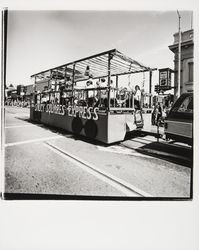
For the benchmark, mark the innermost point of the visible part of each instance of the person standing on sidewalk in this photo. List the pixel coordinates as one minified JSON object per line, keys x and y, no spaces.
{"x":159,"y":114}
{"x":137,"y":97}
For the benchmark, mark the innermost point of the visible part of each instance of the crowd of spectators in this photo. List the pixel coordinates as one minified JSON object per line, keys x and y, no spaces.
{"x":17,"y":103}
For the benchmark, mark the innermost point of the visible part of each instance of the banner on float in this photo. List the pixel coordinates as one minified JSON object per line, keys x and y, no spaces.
{"x":76,"y":111}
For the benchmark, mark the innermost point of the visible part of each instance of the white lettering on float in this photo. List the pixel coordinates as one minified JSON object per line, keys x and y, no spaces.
{"x":83,"y":112}
{"x":77,"y":111}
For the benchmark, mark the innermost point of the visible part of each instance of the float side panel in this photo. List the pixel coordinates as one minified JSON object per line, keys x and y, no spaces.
{"x":92,"y":129}
{"x":119,"y":125}
{"x":116,"y":127}
{"x":56,"y":120}
{"x":102,"y":128}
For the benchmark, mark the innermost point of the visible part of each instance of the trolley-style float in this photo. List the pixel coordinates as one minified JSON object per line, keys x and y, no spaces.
{"x":86,"y":98}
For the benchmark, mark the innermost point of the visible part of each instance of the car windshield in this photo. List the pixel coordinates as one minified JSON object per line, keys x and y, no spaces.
{"x":186,"y":106}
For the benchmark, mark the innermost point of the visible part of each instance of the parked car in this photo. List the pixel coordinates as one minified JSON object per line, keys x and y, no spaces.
{"x":179,"y":122}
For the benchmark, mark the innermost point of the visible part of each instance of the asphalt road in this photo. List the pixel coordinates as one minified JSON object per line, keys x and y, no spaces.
{"x":43,"y":160}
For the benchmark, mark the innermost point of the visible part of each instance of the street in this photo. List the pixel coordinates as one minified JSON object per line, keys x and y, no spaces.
{"x":45,"y":160}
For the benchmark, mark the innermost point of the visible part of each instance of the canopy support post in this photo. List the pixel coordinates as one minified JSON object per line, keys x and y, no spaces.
{"x":117,"y":81}
{"x":49,"y":81}
{"x":150,"y":86}
{"x":73,"y":83}
{"x":109,"y":79}
{"x":65,"y":74}
{"x":34,"y":92}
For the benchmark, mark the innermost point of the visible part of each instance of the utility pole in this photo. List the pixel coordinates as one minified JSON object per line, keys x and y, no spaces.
{"x":191,"y":20}
{"x":179,"y":55}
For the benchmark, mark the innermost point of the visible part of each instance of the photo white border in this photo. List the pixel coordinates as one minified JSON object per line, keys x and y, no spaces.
{"x":150,"y":225}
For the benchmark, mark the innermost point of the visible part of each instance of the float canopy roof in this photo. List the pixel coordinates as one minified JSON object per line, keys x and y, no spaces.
{"x":96,"y":66}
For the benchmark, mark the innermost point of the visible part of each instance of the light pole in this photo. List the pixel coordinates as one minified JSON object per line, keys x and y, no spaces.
{"x":179,"y":55}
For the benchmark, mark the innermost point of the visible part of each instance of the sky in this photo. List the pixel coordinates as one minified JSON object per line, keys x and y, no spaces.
{"x":39,"y":40}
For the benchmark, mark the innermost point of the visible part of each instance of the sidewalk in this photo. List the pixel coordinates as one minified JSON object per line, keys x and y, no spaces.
{"x":162,"y":149}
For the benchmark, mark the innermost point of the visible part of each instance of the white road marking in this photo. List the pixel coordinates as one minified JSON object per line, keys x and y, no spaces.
{"x":32,"y":141}
{"x":17,"y":114}
{"x":149,"y":139}
{"x":121,"y":185}
{"x":143,"y":141}
{"x":122,"y":150}
{"x":20,"y":126}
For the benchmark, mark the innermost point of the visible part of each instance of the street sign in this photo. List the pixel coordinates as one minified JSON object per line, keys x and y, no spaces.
{"x":165,"y":77}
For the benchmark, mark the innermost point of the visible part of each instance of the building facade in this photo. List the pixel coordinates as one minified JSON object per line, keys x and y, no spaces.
{"x":29,"y":89}
{"x":187,"y":61}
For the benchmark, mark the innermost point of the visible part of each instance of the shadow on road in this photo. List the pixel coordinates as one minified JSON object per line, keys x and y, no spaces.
{"x":171,"y":153}
{"x":63,"y":132}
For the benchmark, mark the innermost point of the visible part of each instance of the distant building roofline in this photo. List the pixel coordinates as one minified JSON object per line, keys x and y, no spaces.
{"x":186,"y":31}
